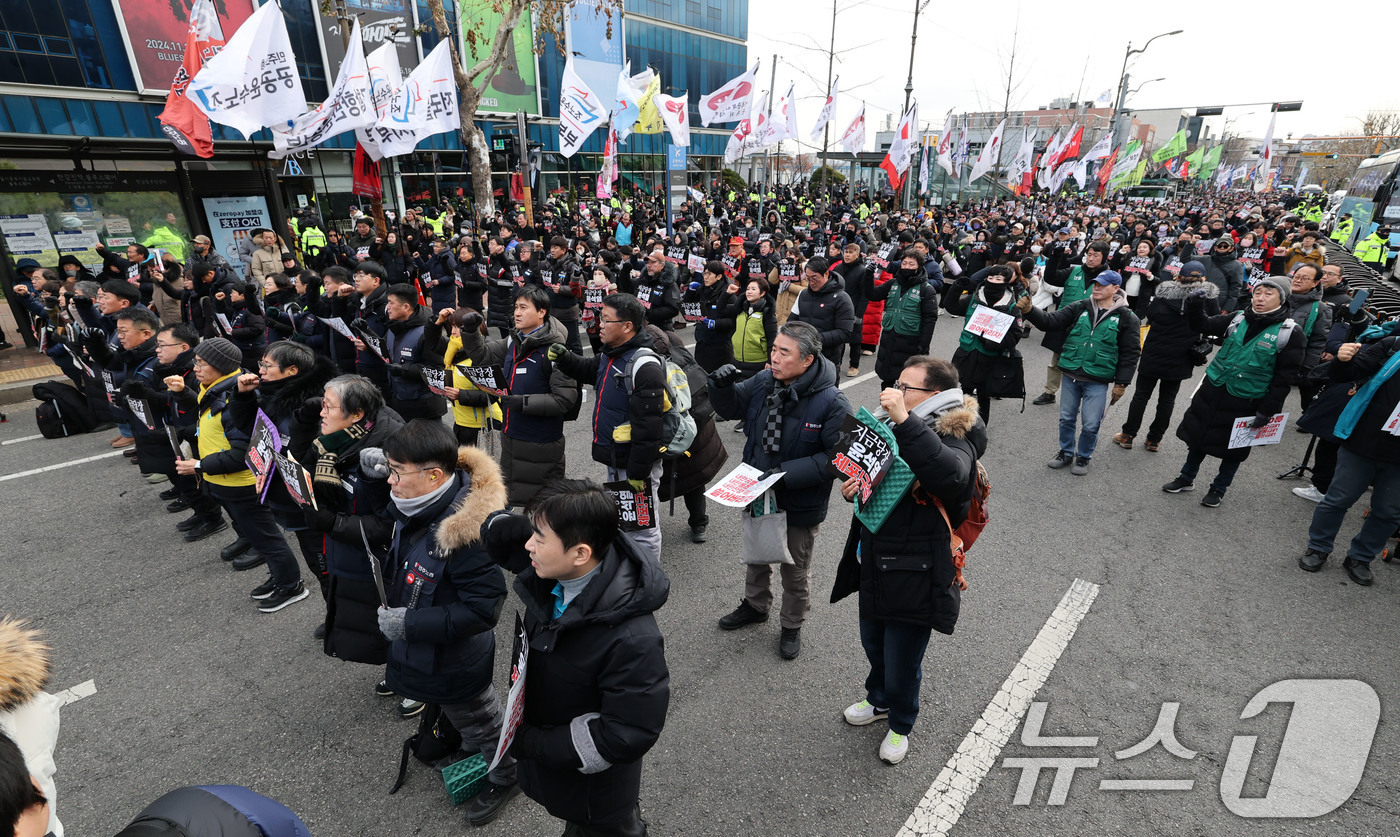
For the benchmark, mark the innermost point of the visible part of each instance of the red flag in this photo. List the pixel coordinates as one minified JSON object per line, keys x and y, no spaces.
{"x":893,"y":173}
{"x":1071,"y":149}
{"x":1106,"y":169}
{"x":367,"y":182}
{"x":185,"y":126}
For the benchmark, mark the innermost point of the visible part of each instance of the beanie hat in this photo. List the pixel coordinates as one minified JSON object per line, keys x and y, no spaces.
{"x":1282,"y":284}
{"x":220,"y":353}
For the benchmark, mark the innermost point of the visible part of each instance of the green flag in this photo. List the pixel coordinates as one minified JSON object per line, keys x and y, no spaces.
{"x":1194,"y":160}
{"x":1136,"y":179}
{"x":1177,"y":145}
{"x":1212,"y":160}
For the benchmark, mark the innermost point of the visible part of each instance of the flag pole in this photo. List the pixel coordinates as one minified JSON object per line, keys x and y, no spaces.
{"x":826,"y":129}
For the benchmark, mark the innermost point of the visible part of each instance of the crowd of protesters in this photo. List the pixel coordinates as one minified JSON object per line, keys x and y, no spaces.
{"x":364,"y":357}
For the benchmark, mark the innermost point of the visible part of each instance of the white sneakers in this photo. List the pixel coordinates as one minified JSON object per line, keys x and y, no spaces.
{"x":1309,"y":492}
{"x":895,"y":746}
{"x":860,"y":714}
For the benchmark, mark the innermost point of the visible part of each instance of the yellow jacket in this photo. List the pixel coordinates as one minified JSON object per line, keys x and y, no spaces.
{"x":466,"y":415}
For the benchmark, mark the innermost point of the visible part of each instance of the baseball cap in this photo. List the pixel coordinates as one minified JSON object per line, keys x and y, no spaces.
{"x":1109,"y":277}
{"x":737,"y":240}
{"x":1193,"y":268}
{"x":202,"y":239}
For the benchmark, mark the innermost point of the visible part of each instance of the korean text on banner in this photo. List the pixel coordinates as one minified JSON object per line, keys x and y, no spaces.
{"x":252,"y":83}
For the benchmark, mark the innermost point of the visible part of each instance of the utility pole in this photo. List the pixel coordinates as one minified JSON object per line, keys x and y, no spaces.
{"x":830,"y":60}
{"x":376,"y":205}
{"x":909,"y":89}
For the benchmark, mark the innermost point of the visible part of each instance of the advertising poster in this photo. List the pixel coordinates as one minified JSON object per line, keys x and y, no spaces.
{"x":515,"y":87}
{"x":156,"y":33}
{"x":80,"y":243}
{"x":597,"y":58}
{"x":231,"y":224}
{"x":381,"y":22}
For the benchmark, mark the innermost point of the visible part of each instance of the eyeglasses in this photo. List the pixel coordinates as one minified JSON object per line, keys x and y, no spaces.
{"x":602,"y":321}
{"x":263,"y":366}
{"x":399,"y":475}
{"x":161,"y":345}
{"x":903,"y":387}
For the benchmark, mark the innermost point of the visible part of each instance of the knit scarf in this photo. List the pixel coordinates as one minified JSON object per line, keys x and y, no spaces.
{"x":778,"y":399}
{"x":328,"y":451}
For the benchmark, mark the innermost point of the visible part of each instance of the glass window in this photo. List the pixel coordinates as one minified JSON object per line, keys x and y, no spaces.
{"x":81,"y":117}
{"x":138,"y":121}
{"x":22,"y":114}
{"x":52,"y":116}
{"x":109,"y":119}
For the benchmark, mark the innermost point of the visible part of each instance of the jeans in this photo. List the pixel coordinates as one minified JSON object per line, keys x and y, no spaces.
{"x":648,"y":539}
{"x":1223,"y":477}
{"x":479,"y":720}
{"x":1166,"y":402}
{"x":254,"y":522}
{"x":1090,"y":399}
{"x":896,"y":654}
{"x":1354,"y":474}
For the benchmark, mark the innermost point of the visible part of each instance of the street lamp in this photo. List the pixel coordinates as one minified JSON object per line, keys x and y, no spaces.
{"x":1144,"y":84}
{"x":1123,"y":78}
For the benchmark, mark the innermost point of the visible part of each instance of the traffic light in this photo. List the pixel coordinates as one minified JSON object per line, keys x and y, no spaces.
{"x":1210,"y":111}
{"x":1331,"y":156}
{"x":1286,"y":107}
{"x":504,"y":152}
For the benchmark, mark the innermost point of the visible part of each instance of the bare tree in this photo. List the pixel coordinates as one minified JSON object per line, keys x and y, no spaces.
{"x":489,"y":51}
{"x":1378,"y":134}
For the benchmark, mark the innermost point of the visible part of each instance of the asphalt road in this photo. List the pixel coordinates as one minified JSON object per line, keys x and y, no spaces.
{"x":1200,"y":607}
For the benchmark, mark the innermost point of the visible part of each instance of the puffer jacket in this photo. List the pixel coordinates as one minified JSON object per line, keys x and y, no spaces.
{"x":1173,"y":330}
{"x":598,"y":688}
{"x":28,"y":714}
{"x":438,"y":568}
{"x":904,"y":572}
{"x":1227,"y":274}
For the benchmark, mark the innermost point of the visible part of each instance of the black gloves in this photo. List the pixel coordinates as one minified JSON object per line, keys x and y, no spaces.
{"x":318,"y":520}
{"x":725,"y":375}
{"x":504,"y":535}
{"x":1261,"y":420}
{"x":512,"y":402}
{"x":471,"y":322}
{"x":135,"y":389}
{"x":309,"y":412}
{"x":529,"y":742}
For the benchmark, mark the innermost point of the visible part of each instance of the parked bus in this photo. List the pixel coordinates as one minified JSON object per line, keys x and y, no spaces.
{"x":1372,"y":197}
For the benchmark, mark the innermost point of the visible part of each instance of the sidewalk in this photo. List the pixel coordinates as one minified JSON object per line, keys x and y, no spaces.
{"x":21,"y":367}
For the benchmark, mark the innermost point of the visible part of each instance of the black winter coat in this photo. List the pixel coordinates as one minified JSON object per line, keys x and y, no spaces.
{"x":811,"y":426}
{"x":905,"y":570}
{"x":830,"y":312}
{"x":1369,"y":439}
{"x":1227,"y":274}
{"x":1210,"y":418}
{"x":597,"y":686}
{"x":1165,"y":352}
{"x":438,"y":568}
{"x":895,"y":349}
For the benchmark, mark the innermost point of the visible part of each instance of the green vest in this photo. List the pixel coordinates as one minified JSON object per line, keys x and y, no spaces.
{"x":970,"y":342}
{"x":904,"y":309}
{"x":750,"y":341}
{"x":1246,"y":371}
{"x":1090,"y":350}
{"x":1075,"y":289}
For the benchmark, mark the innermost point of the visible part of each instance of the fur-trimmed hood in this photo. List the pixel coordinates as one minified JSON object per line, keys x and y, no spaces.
{"x":484,"y":493}
{"x":958,"y":422}
{"x":24,"y":664}
{"x":1176,"y":290}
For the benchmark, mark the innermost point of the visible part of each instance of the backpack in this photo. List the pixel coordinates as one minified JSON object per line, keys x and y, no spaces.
{"x":678,"y":428}
{"x":436,"y":738}
{"x":700,"y":406}
{"x":963,"y":537}
{"x":1284,"y":334}
{"x":62,"y":411}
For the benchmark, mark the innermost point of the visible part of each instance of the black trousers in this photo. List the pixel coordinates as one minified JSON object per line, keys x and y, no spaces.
{"x":1166,"y":402}
{"x":631,"y":826}
{"x":255,"y":523}
{"x":1324,"y":464}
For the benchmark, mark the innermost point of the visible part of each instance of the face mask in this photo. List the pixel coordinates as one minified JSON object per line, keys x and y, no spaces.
{"x":1035,"y":248}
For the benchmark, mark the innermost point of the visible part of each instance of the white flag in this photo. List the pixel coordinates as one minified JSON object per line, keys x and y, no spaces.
{"x":904,"y":147}
{"x":960,"y":151}
{"x":1052,"y":147}
{"x":385,"y":79}
{"x":629,"y":99}
{"x":580,"y":111}
{"x":853,"y":138}
{"x":1081,"y":172}
{"x":1024,"y":156}
{"x":758,"y":126}
{"x":348,"y":107}
{"x":252,"y":83}
{"x":828,"y":108}
{"x":738,"y":141}
{"x":1101,"y":149}
{"x":923,"y":169}
{"x":1058,"y":180}
{"x":424,"y":105}
{"x":675,"y":112}
{"x":1104,"y":98}
{"x":776,"y":127}
{"x":988,"y":158}
{"x":731,"y":102}
{"x":1266,"y":157}
{"x":945,"y":145}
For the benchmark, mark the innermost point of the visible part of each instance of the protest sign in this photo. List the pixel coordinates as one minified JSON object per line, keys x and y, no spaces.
{"x":593,"y":297}
{"x":296,"y":478}
{"x":692,"y":311}
{"x":372,"y":341}
{"x":861,"y":454}
{"x":635,"y":509}
{"x":263,"y":446}
{"x":990,"y":323}
{"x":742,"y":486}
{"x":436,"y":378}
{"x":488,"y":379}
{"x":1243,"y":434}
{"x":141,"y":409}
{"x":515,"y":697}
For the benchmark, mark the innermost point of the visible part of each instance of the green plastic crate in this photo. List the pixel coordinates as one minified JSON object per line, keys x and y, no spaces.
{"x":466,"y":778}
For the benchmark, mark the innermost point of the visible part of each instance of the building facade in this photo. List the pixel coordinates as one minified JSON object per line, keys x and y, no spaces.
{"x":83,"y":158}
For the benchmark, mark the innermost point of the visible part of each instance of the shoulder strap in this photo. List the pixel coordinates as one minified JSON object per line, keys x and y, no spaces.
{"x":1234,"y":323}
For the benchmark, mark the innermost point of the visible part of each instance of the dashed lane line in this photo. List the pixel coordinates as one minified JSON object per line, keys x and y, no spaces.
{"x":960,"y":778}
{"x":60,"y":465}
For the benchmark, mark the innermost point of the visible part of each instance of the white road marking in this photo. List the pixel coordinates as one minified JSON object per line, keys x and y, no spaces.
{"x":853,"y":381}
{"x":48,"y":468}
{"x":22,"y":439}
{"x":960,"y":778}
{"x":72,"y":695}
